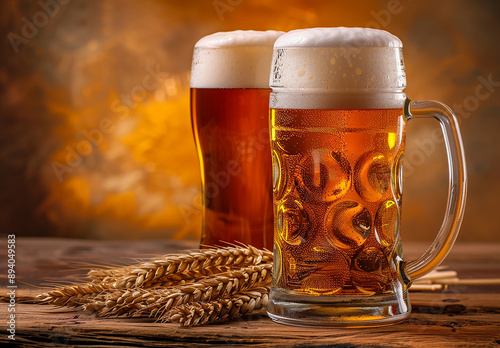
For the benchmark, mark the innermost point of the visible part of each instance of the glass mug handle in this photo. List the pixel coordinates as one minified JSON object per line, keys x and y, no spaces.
{"x":457,"y":188}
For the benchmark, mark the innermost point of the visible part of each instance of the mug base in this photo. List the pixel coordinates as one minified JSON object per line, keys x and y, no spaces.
{"x":343,"y":311}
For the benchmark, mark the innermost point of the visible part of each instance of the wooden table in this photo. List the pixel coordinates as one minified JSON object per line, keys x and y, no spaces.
{"x":462,"y":316}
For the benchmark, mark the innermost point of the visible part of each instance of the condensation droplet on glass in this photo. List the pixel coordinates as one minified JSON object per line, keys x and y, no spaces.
{"x":348,"y":225}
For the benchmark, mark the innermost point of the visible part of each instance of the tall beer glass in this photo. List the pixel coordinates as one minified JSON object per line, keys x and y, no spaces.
{"x":338,"y":118}
{"x":229,"y":112}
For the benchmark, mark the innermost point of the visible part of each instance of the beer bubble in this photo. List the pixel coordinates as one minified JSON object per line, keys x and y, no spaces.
{"x":328,"y":277}
{"x":293,"y":143}
{"x":292,"y":220}
{"x":382,"y":141}
{"x":286,"y":137}
{"x":348,"y":225}
{"x":323,"y":176}
{"x":387,"y":223}
{"x":372,"y":176}
{"x":370,"y":271}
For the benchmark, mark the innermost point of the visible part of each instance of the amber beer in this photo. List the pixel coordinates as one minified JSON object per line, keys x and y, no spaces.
{"x":229,"y":112}
{"x":232,"y":138}
{"x":337,"y":198}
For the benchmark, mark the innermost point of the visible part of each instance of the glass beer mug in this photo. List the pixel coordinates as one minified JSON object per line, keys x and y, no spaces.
{"x":229,"y":113}
{"x":338,"y":118}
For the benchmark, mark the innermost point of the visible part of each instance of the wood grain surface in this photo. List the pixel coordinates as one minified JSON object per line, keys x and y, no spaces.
{"x":461,"y":316}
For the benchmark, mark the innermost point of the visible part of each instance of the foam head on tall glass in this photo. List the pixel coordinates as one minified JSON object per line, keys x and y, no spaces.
{"x":229,"y":113}
{"x":338,"y":117}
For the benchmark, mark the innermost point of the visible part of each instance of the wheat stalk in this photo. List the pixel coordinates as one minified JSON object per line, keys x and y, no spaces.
{"x":224,"y":309}
{"x":72,"y":295}
{"x":225,"y":282}
{"x":201,"y":260}
{"x":167,"y":280}
{"x":169,"y":270}
{"x":109,"y":275}
{"x":152,"y":302}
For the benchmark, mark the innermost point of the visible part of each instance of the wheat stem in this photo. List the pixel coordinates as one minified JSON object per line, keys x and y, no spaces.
{"x":201,"y":260}
{"x":72,"y":295}
{"x":152,"y":302}
{"x":223,"y":309}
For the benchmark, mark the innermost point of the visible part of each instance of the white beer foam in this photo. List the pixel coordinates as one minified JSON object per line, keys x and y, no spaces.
{"x":348,"y":67}
{"x":239,"y":38}
{"x":338,"y":37}
{"x":236,"y":59}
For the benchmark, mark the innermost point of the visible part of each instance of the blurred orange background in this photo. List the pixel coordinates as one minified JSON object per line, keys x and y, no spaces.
{"x":95,"y":133}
